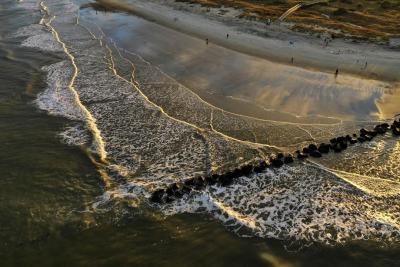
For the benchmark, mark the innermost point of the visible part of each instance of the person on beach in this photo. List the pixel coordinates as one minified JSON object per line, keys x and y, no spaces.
{"x":227,"y":36}
{"x":326,"y":42}
{"x":292,"y":60}
{"x":206,"y":41}
{"x":336,"y":72}
{"x":366,"y":64}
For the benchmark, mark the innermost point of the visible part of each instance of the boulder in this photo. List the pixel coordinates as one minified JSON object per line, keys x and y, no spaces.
{"x":315,"y":154}
{"x":396,"y":131}
{"x":288,"y":159}
{"x":361,"y":139}
{"x":343,"y":145}
{"x":312,"y":147}
{"x":336,"y":148}
{"x":157,"y":196}
{"x":277,"y":163}
{"x":301,"y":155}
{"x":225,"y":179}
{"x":352,"y":141}
{"x":323,"y":148}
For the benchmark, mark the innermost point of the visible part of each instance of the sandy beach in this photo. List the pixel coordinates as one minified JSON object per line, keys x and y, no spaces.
{"x":128,"y":139}
{"x":254,"y":75}
{"x":278,"y":43}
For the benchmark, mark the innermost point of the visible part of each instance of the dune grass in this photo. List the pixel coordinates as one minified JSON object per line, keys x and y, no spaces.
{"x":360,"y":19}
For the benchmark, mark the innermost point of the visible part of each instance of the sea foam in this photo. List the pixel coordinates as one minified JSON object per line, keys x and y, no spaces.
{"x":157,"y":132}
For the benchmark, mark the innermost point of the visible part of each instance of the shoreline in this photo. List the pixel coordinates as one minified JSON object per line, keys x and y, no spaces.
{"x":350,"y":58}
{"x":135,"y":129}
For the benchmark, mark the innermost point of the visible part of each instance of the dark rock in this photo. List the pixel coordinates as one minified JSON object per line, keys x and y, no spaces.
{"x":178,"y":193}
{"x":396,"y":131}
{"x":277,"y":163}
{"x":288,"y":159}
{"x":353,"y":141}
{"x":341,"y":139}
{"x":232,"y":175}
{"x":333,"y":141}
{"x":247,"y":169}
{"x":361,"y":139}
{"x":169,"y":191}
{"x":236,"y":173}
{"x":215,"y":176}
{"x":380,"y":130}
{"x":280,"y":156}
{"x":157,"y":196}
{"x":306,"y":150}
{"x":199,"y":182}
{"x":263,"y":165}
{"x":257,"y":169}
{"x":363,"y":131}
{"x":168,"y":199}
{"x":225,"y":180}
{"x":175,"y":190}
{"x":336,"y":148}
{"x":323,"y":148}
{"x":343,"y":145}
{"x":189,"y":182}
{"x":315,"y":154}
{"x":312,"y":147}
{"x":385,"y":125}
{"x":301,"y":155}
{"x":366,"y":137}
{"x":186,"y":189}
{"x":212,"y":179}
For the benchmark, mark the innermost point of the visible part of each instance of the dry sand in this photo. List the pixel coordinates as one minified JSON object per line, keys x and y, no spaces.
{"x":308,"y":51}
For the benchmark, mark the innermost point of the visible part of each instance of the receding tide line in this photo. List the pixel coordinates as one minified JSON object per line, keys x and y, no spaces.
{"x":91,"y":121}
{"x":363,"y":183}
{"x":112,"y":67}
{"x":372,"y":185}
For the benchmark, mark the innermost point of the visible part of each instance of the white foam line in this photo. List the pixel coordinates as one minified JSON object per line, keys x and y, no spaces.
{"x":359,"y":186}
{"x":229,"y":112}
{"x":250,"y":223}
{"x":91,"y":121}
{"x":235,"y":139}
{"x":175,"y":119}
{"x":308,"y":132}
{"x":136,"y":86}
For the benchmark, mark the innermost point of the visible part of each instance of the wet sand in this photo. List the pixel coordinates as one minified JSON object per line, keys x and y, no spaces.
{"x":308,"y":51}
{"x":246,"y":84}
{"x":154,"y":131}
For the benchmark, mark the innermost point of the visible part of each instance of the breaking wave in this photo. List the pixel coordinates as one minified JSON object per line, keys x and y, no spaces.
{"x":154,"y":132}
{"x":298,"y":203}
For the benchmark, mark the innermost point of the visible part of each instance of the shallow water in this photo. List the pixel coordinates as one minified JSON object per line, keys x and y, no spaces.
{"x":76,"y":177}
{"x":242,"y":83}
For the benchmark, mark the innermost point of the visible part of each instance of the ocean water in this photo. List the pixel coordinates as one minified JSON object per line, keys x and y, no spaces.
{"x":92,"y":124}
